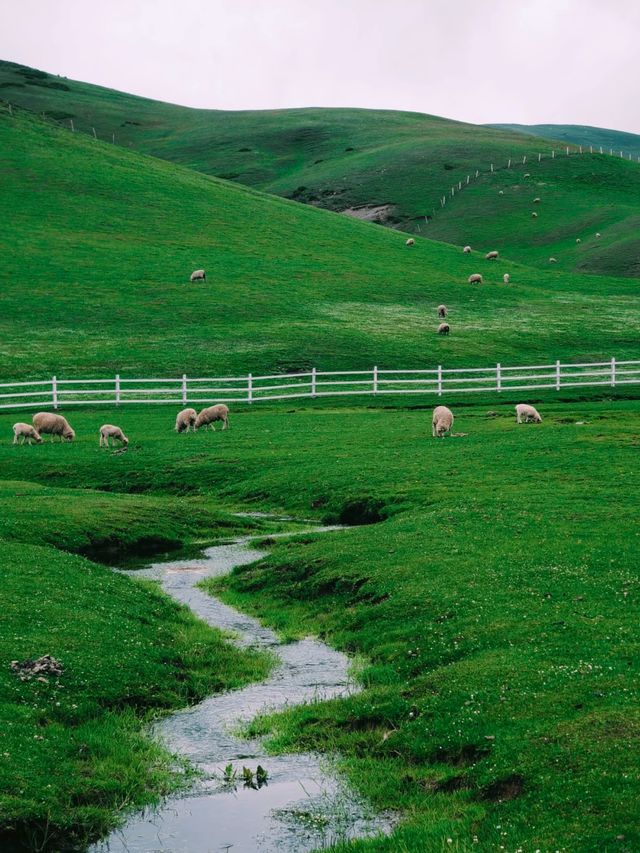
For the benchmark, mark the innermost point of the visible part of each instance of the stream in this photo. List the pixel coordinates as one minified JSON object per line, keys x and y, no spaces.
{"x":305,"y":805}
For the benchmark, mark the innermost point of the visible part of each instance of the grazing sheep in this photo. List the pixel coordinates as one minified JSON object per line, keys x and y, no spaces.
{"x":491,"y":256}
{"x":27,"y":433}
{"x":536,"y":201}
{"x":553,"y":261}
{"x":48,"y":423}
{"x":578,"y":240}
{"x":198,"y":275}
{"x":597,"y":233}
{"x":410,"y":242}
{"x":534,"y":215}
{"x":475,"y":278}
{"x":441,"y":422}
{"x":442,"y":311}
{"x":109,"y":431}
{"x":527,"y":413}
{"x":527,"y":175}
{"x":467,"y":250}
{"x":506,"y":278}
{"x":501,"y":192}
{"x":443,"y":329}
{"x":207,"y":417}
{"x":186,"y":420}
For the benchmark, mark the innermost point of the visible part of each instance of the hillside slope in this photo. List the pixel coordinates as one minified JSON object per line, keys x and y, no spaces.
{"x":581,"y":134}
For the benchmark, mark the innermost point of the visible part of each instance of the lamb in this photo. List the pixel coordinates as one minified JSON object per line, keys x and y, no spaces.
{"x":186,"y":420}
{"x":442,"y":311}
{"x":410,"y":242}
{"x":443,"y":329}
{"x":536,"y":201}
{"x":527,"y":413}
{"x":475,"y":278}
{"x":48,"y":423}
{"x":467,"y":250}
{"x":506,"y":278}
{"x":109,"y":431}
{"x":198,"y":275}
{"x":211,"y":414}
{"x":441,"y":422}
{"x":534,"y":215}
{"x":491,"y":256}
{"x":27,"y":433}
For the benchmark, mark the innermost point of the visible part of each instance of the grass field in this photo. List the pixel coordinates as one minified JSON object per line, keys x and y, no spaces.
{"x":495,"y":609}
{"x":347,"y":158}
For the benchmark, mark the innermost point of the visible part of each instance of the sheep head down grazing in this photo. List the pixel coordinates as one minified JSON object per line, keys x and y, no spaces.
{"x":441,"y":422}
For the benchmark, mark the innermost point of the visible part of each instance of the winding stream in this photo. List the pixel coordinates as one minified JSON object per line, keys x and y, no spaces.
{"x":305,"y":805}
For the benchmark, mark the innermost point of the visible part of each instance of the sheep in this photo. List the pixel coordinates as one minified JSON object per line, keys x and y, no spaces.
{"x":491,"y":256}
{"x":410,"y":242}
{"x":443,"y":329}
{"x":475,"y":278}
{"x":442,"y":311}
{"x":198,"y":275}
{"x":27,"y":433}
{"x":597,"y":233}
{"x":186,"y":420}
{"x":467,"y":250}
{"x":536,"y":201}
{"x":534,"y":215}
{"x":441,"y":422}
{"x":46,"y":422}
{"x":109,"y":431}
{"x":213,"y":413}
{"x":501,"y":192}
{"x":578,"y":240}
{"x":506,"y":278}
{"x":528,"y":413}
{"x":527,"y":175}
{"x":553,"y":261}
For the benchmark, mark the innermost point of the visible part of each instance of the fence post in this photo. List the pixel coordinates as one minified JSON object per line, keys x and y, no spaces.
{"x":509,"y":163}
{"x":524,"y":159}
{"x":553,"y":153}
{"x":313,"y":382}
{"x":613,"y":373}
{"x":567,"y":150}
{"x":492,"y":167}
{"x":184,"y":387}
{"x":117,"y":389}
{"x":73,"y":130}
{"x":439,"y":380}
{"x":375,"y":380}
{"x":557,"y":375}
{"x":94,"y":133}
{"x":10,"y":108}
{"x":54,"y":392}
{"x":250,"y":388}
{"x":498,"y":378}
{"x":539,"y":157}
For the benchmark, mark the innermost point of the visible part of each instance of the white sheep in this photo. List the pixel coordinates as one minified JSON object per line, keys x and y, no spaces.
{"x":441,"y":422}
{"x":527,"y":175}
{"x":527,"y":413}
{"x":578,"y":240}
{"x":597,"y":233}
{"x":410,"y":242}
{"x":501,"y":192}
{"x":186,"y":420}
{"x":109,"y":431}
{"x":27,"y":433}
{"x":198,"y":275}
{"x":208,"y":416}
{"x":443,"y":329}
{"x":553,"y":261}
{"x":536,"y":201}
{"x":442,"y":311}
{"x":491,"y":256}
{"x":475,"y":278}
{"x":48,"y":423}
{"x":534,"y":215}
{"x":506,"y":278}
{"x":467,"y":250}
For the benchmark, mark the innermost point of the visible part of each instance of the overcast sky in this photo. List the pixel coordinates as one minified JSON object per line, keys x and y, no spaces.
{"x":529,"y":61}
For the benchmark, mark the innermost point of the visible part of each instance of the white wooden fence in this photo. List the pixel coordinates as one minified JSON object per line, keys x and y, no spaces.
{"x":59,"y":393}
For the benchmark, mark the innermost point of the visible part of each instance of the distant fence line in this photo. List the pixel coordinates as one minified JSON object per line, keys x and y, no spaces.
{"x":117,"y":390}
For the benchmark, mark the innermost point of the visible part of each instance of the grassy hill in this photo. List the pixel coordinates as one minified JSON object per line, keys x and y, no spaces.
{"x":579,"y":134}
{"x":99,"y":243}
{"x":389,"y":167}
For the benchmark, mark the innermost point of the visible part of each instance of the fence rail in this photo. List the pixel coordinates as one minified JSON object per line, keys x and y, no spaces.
{"x":117,"y":390}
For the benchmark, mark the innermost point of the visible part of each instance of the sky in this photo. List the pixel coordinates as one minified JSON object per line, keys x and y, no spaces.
{"x":525,"y":61}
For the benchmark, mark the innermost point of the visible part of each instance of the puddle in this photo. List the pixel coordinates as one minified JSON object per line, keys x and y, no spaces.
{"x":305,"y":805}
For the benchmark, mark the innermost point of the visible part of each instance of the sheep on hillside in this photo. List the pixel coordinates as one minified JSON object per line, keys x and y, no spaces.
{"x":208,"y":416}
{"x":536,"y":201}
{"x":527,"y":175}
{"x":597,"y":233}
{"x":553,"y":261}
{"x":109,"y":431}
{"x":410,"y":242}
{"x":527,"y":414}
{"x":491,"y":256}
{"x":578,"y":240}
{"x":443,"y":329}
{"x":442,"y":311}
{"x":27,"y":433}
{"x":198,"y":275}
{"x":48,"y":423}
{"x":506,"y":278}
{"x":441,"y":422}
{"x":501,"y":192}
{"x":534,"y":215}
{"x":186,"y":420}
{"x":475,"y":278}
{"x":467,"y":250}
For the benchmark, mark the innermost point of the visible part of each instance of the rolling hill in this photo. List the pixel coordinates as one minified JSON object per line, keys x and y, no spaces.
{"x":581,"y":134}
{"x":388,"y":167}
{"x":99,"y":243}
